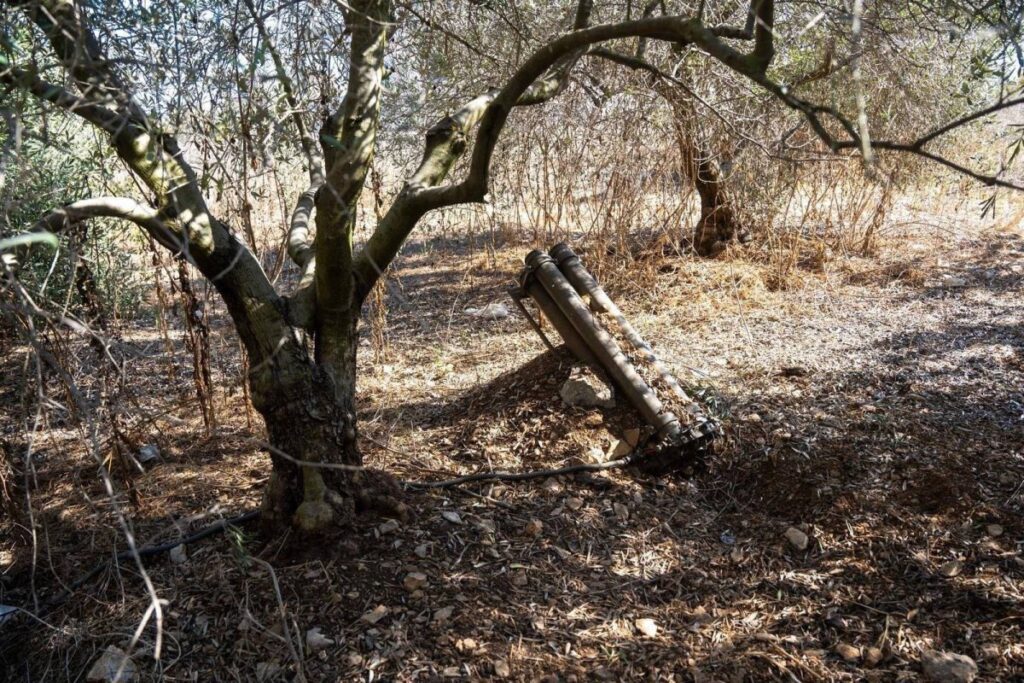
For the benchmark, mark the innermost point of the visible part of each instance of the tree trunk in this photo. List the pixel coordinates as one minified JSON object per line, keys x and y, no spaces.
{"x":317,"y":481}
{"x":718,"y":222}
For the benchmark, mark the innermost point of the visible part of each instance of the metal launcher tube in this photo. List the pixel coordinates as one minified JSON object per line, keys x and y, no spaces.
{"x":541,"y":268}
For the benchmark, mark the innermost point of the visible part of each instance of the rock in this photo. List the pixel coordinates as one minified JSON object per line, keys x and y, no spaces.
{"x":533,"y":528}
{"x":178,"y":554}
{"x":951,"y":568}
{"x":953,"y":281}
{"x":849,"y":653}
{"x":388,"y":527}
{"x":574,"y":503}
{"x":994,"y":530}
{"x":752,"y":417}
{"x":648,"y":627}
{"x":443,"y":614}
{"x":797,"y":538}
{"x":585,"y":389}
{"x":422,"y":550}
{"x":520,"y":579}
{"x":148,"y":453}
{"x":621,"y":511}
{"x":872,"y":656}
{"x":619,"y":449}
{"x":501,"y":668}
{"x":376,"y":614}
{"x":413,"y":581}
{"x":316,"y":641}
{"x":492,"y":311}
{"x":113,"y":666}
{"x":451,"y":516}
{"x":948,"y":667}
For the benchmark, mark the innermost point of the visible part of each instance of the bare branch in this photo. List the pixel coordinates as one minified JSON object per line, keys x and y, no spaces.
{"x":93,"y":112}
{"x":111,"y":207}
{"x":300,"y":241}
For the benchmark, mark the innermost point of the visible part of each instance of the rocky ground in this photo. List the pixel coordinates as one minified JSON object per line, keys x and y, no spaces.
{"x":861,"y":522}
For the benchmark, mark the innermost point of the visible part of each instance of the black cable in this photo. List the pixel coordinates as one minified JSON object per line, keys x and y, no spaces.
{"x":521,"y":476}
{"x":149,"y":551}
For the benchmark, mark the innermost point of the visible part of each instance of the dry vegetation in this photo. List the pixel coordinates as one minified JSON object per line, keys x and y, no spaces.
{"x":873,"y":402}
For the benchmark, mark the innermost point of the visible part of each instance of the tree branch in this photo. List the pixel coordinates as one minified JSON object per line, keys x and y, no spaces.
{"x":300,"y":242}
{"x":145,"y":217}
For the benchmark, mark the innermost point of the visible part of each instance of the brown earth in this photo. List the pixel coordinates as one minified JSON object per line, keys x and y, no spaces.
{"x":877,"y":404}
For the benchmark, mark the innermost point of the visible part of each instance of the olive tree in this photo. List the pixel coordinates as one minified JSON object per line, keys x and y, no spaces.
{"x":306,"y":393}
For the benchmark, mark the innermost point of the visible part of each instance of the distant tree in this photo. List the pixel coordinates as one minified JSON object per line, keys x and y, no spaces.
{"x":307,"y":396}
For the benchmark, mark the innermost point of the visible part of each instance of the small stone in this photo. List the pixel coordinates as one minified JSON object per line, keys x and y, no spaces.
{"x":148,"y":453}
{"x":178,"y":554}
{"x":501,"y":668}
{"x":618,"y":449}
{"x":376,"y":614}
{"x":584,"y":389}
{"x":422,"y":550}
{"x":736,"y":555}
{"x":849,"y":653}
{"x":994,"y":530}
{"x":648,"y":627}
{"x":753,"y":418}
{"x":621,"y":511}
{"x":465,"y":645}
{"x":872,"y":656}
{"x":594,"y":420}
{"x":388,"y":527}
{"x":951,"y":568}
{"x":413,"y":581}
{"x":316,"y":641}
{"x":948,"y":667}
{"x":574,"y":503}
{"x":953,"y":281}
{"x":797,"y":538}
{"x":520,"y":579}
{"x":443,"y":614}
{"x":533,"y":528}
{"x":113,"y":666}
{"x":451,"y":516}
{"x":492,"y":311}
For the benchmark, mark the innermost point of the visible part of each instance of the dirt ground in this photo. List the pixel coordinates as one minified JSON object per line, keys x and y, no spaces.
{"x":875,"y":404}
